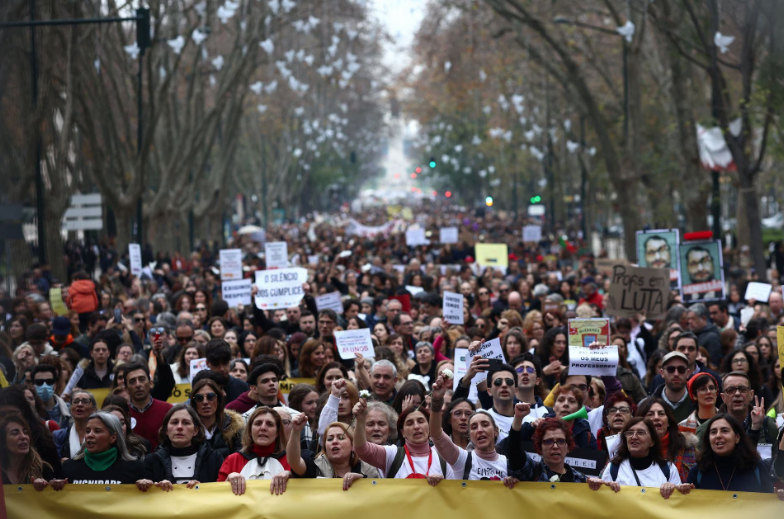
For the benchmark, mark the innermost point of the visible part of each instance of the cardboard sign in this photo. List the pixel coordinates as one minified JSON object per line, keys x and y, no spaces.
{"x":453,"y":307}
{"x":636,"y":291}
{"x":532,"y":233}
{"x":605,"y":265}
{"x":448,"y":235}
{"x":492,"y":254}
{"x":350,"y":342}
{"x":330,"y":301}
{"x":759,"y":291}
{"x":56,"y":300}
{"x":416,"y":237}
{"x":287,"y":385}
{"x":584,"y":332}
{"x":702,"y":272}
{"x":280,"y":288}
{"x":489,"y":350}
{"x":660,"y":249}
{"x":236,"y":293}
{"x":230,"y":264}
{"x":461,"y":367}
{"x":601,"y":362}
{"x":196,"y":366}
{"x":135,"y":257}
{"x":276,"y":255}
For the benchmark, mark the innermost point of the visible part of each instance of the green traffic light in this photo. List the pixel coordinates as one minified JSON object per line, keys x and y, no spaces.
{"x":535,"y":199}
{"x":432,"y":163}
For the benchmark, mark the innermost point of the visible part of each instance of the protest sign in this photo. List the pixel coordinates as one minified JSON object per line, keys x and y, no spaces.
{"x":461,"y":366}
{"x":288,"y":384}
{"x":230,"y":264}
{"x":453,"y":307}
{"x":489,"y":350}
{"x":532,"y":233}
{"x":660,"y":249}
{"x":584,"y":332}
{"x":56,"y":300}
{"x":635,"y":291}
{"x":237,"y":292}
{"x":758,"y":291}
{"x":605,"y":265}
{"x":135,"y":257}
{"x":448,"y":235}
{"x":491,"y":254}
{"x":197,"y":365}
{"x":350,"y":342}
{"x":276,"y":255}
{"x":746,"y":314}
{"x":414,"y":290}
{"x":702,"y":272}
{"x":600,"y":362}
{"x":331,"y":301}
{"x":416,"y":237}
{"x":280,"y":288}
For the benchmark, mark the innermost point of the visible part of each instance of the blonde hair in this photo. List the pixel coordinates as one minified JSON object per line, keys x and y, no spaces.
{"x":349,"y":431}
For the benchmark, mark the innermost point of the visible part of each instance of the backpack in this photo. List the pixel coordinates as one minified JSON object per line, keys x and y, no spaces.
{"x":664,"y":466}
{"x":400,"y":458}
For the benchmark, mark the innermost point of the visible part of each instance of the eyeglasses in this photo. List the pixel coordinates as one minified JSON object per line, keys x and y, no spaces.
{"x":509,"y":382}
{"x":549,"y":442}
{"x":81,"y":401}
{"x":707,"y":389}
{"x":185,"y":339}
{"x":138,"y":319}
{"x":286,"y":422}
{"x":621,"y":410}
{"x":483,"y":293}
{"x":460,"y":414}
{"x":201,"y":396}
{"x":526,"y":369}
{"x":740,"y":360}
{"x":639,"y":434}
{"x":41,"y":381}
{"x":201,"y":308}
{"x":672,"y":369}
{"x":739,"y":389}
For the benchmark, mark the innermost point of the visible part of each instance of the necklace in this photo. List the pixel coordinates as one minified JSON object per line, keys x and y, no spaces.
{"x":722,"y":482}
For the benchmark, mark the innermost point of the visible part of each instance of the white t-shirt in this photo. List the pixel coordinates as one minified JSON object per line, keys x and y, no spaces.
{"x":480,"y":469}
{"x":183,"y":468}
{"x":650,"y":477}
{"x":420,"y":464}
{"x":504,"y":423}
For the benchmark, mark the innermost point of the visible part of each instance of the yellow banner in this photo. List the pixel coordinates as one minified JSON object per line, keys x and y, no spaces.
{"x":181,"y":393}
{"x":289,"y":383}
{"x":383,"y":499}
{"x":492,"y":254}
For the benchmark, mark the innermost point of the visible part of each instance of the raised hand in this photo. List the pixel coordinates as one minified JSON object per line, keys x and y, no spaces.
{"x":522,"y":409}
{"x":360,"y":408}
{"x":757,"y":413}
{"x":439,"y":388}
{"x":337,"y":387}
{"x":298,"y":423}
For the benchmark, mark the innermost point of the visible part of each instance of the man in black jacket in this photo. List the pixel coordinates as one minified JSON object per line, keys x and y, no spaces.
{"x":708,"y":334}
{"x":218,"y":357}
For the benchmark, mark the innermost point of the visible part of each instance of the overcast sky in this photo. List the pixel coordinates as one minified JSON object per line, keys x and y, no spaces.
{"x":401,"y":19}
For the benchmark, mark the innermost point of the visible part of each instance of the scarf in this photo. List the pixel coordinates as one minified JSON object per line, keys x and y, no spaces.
{"x":487,"y":456}
{"x":419,"y":449}
{"x":101,"y":461}
{"x":184,"y":451}
{"x":665,"y":442}
{"x":641,"y":463}
{"x":263,"y":452}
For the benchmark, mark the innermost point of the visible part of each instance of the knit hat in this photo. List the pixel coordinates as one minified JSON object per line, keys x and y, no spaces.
{"x":692,"y":380}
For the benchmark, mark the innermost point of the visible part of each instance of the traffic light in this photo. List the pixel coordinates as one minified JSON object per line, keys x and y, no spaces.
{"x":535,"y":199}
{"x":489,"y":201}
{"x":448,"y":194}
{"x":432,"y":162}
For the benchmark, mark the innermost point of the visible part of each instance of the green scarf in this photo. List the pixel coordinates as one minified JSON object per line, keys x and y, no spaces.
{"x":102,"y":461}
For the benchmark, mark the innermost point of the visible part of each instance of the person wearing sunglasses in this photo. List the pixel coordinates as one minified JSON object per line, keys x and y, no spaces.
{"x":223,"y":427}
{"x":44,"y":381}
{"x":529,"y":383}
{"x":183,"y":456}
{"x":676,"y":372}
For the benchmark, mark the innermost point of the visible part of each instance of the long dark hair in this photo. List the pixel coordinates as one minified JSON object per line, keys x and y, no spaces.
{"x":543,"y":350}
{"x":220,"y":413}
{"x":322,"y":373}
{"x":409,"y":387}
{"x":14,"y":396}
{"x":755,"y":377}
{"x":32,"y":465}
{"x":623,"y":450}
{"x":746,"y":455}
{"x":133,"y":441}
{"x":446,"y":418}
{"x":677,"y":441}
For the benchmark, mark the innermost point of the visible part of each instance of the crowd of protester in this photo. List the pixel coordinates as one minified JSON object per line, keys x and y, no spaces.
{"x":696,"y":402}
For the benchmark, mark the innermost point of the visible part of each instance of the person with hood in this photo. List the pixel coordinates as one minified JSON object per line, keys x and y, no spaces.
{"x":62,"y":337}
{"x":99,"y":372}
{"x":708,"y":334}
{"x":183,"y":456}
{"x":81,"y":298}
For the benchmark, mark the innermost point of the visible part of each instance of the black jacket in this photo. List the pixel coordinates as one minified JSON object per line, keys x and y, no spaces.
{"x":235,"y":388}
{"x":91,"y":380}
{"x":581,"y":432}
{"x":121,"y":472}
{"x":158,"y":465}
{"x":229,"y":439}
{"x":710,"y":338}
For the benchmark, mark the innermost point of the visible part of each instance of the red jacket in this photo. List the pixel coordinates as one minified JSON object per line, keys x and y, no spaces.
{"x":82,"y":297}
{"x":594,"y":299}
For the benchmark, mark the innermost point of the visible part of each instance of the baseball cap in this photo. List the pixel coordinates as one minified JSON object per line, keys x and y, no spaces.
{"x":588,"y":279}
{"x":674,"y":355}
{"x":61,"y":326}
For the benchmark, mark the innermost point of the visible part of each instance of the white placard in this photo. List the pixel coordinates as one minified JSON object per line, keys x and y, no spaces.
{"x":448,"y":235}
{"x":489,"y":350}
{"x":453,"y":307}
{"x":196,"y":366}
{"x":236,"y":292}
{"x":414,"y":290}
{"x":532,"y":233}
{"x":230,"y":264}
{"x":613,"y":443}
{"x":350,"y":342}
{"x":759,"y":291}
{"x":313,"y":259}
{"x":276,"y":255}
{"x":765,"y":450}
{"x":280,"y":288}
{"x":330,"y":301}
{"x":135,"y":256}
{"x":416,"y":237}
{"x":460,"y":370}
{"x":746,"y":314}
{"x":600,"y":362}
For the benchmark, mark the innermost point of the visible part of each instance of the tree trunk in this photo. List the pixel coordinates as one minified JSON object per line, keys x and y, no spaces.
{"x":748,"y":201}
